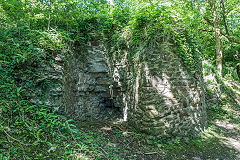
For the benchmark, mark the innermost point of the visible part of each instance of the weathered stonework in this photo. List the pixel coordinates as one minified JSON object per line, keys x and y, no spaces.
{"x":153,"y":92}
{"x":169,"y":101}
{"x":87,"y":86}
{"x":48,"y":89}
{"x":161,"y":98}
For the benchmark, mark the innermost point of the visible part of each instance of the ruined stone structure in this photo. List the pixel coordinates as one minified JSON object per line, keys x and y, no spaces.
{"x":154,"y":92}
{"x":87,"y":86}
{"x":165,"y":99}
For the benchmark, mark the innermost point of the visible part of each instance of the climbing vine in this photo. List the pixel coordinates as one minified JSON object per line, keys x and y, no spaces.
{"x":33,"y":32}
{"x":25,"y":128}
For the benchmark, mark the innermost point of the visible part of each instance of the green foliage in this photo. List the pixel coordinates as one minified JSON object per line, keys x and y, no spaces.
{"x":189,"y":51}
{"x":33,"y":31}
{"x":197,"y":19}
{"x":152,"y":26}
{"x":27,"y":130}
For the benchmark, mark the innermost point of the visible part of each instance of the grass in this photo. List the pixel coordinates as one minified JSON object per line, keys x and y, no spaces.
{"x":108,"y":140}
{"x":221,"y":140}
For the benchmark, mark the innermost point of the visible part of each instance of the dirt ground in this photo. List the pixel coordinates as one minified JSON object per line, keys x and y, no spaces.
{"x":110,"y":140}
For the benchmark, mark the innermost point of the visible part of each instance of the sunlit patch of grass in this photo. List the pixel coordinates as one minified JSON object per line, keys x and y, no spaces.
{"x":114,"y":143}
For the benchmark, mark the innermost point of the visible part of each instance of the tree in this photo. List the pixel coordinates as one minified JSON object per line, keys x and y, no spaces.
{"x":215,"y":25}
{"x":217,"y":29}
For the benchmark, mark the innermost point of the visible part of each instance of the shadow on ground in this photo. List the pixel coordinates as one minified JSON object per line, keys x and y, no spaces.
{"x":116,"y":141}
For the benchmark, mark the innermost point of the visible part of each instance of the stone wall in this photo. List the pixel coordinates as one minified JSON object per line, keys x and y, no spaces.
{"x":88,"y":93}
{"x":170,"y":101}
{"x":153,"y":92}
{"x":161,"y":98}
{"x":48,"y":89}
{"x":78,"y":85}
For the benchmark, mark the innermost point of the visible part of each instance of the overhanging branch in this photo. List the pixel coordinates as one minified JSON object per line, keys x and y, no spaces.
{"x":230,"y":38}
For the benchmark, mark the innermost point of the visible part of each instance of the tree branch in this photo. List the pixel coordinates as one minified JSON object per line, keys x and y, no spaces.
{"x":206,"y":30}
{"x":224,"y":17}
{"x":227,"y":35}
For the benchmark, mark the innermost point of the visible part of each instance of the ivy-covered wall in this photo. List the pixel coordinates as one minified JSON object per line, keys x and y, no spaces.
{"x":147,"y":73}
{"x":162,"y":98}
{"x":78,"y":85}
{"x":154,"y":92}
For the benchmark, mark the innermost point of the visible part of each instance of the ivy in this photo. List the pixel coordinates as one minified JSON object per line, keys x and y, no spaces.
{"x":27,"y":129}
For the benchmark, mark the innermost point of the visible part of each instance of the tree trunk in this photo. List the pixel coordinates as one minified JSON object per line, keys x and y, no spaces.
{"x":238,"y":70}
{"x":217,"y":30}
{"x":49,"y":15}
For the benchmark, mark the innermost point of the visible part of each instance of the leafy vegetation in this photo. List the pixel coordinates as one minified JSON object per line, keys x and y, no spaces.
{"x":33,"y":31}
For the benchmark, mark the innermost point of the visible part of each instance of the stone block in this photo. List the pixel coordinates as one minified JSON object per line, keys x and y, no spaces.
{"x":101,"y":89}
{"x":97,"y":68}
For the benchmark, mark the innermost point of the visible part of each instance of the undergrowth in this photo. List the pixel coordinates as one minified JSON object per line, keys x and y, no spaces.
{"x":29,"y":131}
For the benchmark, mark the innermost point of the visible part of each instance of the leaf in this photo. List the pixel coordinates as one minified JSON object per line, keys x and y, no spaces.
{"x":4,"y":109}
{"x":38,"y":133}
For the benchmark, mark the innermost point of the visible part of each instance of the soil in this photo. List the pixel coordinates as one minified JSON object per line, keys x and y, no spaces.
{"x":117,"y":141}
